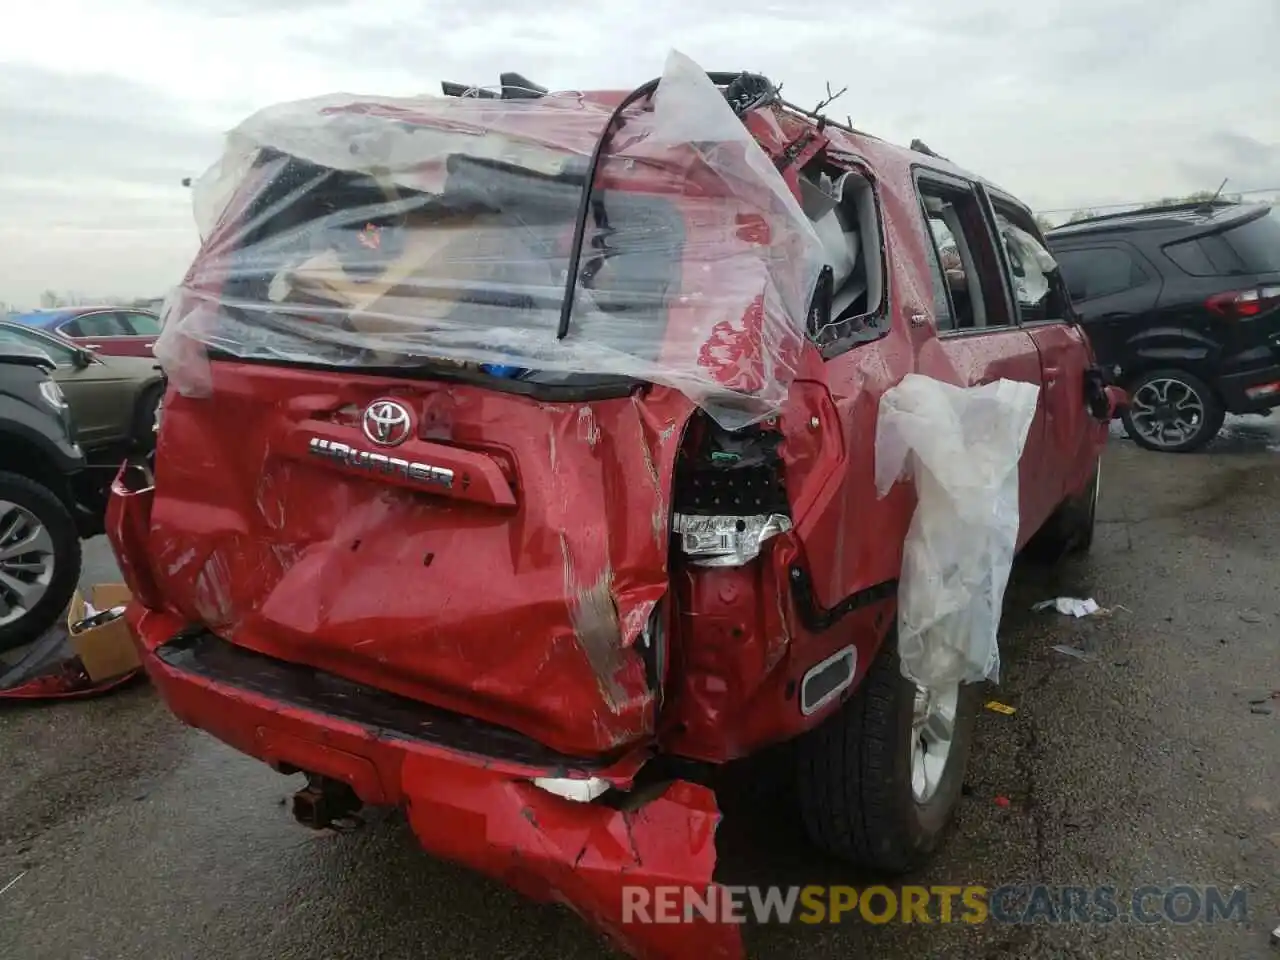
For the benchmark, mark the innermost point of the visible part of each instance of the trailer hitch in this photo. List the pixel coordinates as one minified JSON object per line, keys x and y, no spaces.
{"x":324,"y":803}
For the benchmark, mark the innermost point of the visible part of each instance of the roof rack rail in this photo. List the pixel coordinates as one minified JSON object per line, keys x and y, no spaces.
{"x":1191,"y":206}
{"x":919,"y":146}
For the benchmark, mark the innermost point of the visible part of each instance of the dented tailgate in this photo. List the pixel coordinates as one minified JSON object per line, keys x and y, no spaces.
{"x":503,"y":559}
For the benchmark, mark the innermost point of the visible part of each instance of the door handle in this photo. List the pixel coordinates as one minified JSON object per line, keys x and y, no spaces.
{"x":92,"y":346}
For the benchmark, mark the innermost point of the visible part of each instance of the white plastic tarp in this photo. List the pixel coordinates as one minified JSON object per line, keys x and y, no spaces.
{"x":961,"y":447}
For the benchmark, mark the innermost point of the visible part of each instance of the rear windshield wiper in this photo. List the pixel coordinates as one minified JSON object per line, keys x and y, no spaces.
{"x":744,"y":91}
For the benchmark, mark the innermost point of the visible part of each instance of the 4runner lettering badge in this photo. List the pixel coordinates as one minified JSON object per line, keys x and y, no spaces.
{"x":380,"y":463}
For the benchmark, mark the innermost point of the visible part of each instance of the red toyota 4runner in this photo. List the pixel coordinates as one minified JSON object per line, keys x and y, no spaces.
{"x":519,"y":468}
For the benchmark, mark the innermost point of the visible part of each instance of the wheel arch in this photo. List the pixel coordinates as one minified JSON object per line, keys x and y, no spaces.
{"x":1198,"y":368}
{"x":21,"y":455}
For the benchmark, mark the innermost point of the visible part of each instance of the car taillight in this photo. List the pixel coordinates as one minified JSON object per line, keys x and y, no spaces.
{"x":1243,"y":304}
{"x":729,"y":494}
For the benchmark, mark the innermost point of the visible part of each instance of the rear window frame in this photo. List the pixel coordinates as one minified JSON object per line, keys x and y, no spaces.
{"x":1149,"y":273}
{"x":1223,"y":234}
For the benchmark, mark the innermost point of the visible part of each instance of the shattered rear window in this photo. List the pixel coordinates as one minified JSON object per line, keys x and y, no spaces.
{"x":379,"y":233}
{"x":317,"y":242}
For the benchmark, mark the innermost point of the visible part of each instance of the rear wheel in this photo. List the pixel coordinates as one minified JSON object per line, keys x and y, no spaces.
{"x":879,"y":780}
{"x":39,"y":559}
{"x":1172,"y":411}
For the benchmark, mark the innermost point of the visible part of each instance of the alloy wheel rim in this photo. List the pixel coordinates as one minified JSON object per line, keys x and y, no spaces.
{"x":933,"y":727}
{"x":1166,"y":412}
{"x":27,"y":562}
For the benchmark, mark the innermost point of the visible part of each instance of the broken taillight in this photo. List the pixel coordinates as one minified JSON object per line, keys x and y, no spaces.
{"x":1244,"y":304}
{"x":726,"y":541}
{"x":730,"y":497}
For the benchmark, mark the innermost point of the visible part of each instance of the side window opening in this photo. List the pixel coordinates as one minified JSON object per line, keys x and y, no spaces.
{"x":1190,"y":257}
{"x":1038,"y":287}
{"x":1250,"y":247}
{"x":966,"y":254}
{"x":141,"y":324}
{"x":1094,"y":272}
{"x":841,"y":204}
{"x":101,"y":325}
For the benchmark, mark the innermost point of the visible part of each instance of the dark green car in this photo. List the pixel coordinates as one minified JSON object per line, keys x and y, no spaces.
{"x":113,"y":400}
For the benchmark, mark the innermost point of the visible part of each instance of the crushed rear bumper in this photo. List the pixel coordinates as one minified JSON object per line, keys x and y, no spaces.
{"x":479,"y":810}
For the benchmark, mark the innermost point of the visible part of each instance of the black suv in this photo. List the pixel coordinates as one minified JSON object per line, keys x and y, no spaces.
{"x":1182,"y":304}
{"x":48,"y":499}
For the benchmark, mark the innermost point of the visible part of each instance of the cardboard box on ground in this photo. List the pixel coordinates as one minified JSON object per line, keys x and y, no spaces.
{"x":107,"y":651}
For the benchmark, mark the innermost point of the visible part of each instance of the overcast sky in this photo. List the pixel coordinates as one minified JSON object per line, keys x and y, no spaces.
{"x":104,"y":108}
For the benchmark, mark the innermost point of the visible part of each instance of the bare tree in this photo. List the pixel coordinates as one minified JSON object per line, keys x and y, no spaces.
{"x":1081,"y":215}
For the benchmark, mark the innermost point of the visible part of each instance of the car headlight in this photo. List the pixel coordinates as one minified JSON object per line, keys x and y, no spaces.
{"x":53,"y":395}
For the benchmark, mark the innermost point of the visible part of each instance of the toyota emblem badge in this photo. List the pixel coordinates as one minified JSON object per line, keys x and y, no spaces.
{"x":387,"y":423}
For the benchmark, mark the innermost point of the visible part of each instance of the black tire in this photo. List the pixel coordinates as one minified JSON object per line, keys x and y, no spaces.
{"x":854,"y":774}
{"x":1070,"y":529}
{"x":1206,"y":429}
{"x":143,"y":435}
{"x":54,"y":516}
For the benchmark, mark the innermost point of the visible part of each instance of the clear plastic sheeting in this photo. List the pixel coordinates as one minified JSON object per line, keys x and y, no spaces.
{"x":961,"y":446}
{"x":435,"y":232}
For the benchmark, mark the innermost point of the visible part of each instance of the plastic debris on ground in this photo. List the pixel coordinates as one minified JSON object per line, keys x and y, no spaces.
{"x":961,"y":445}
{"x":1075,"y":652}
{"x":88,"y":653}
{"x":50,"y":669}
{"x":1263,"y":706}
{"x":995,"y":706}
{"x":376,"y":233}
{"x":1070,"y":606}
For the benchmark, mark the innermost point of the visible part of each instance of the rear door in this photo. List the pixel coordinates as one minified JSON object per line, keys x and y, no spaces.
{"x":979,"y":339}
{"x":1115,"y":290}
{"x":100,"y":398}
{"x":1043,"y":311}
{"x":144,"y":328}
